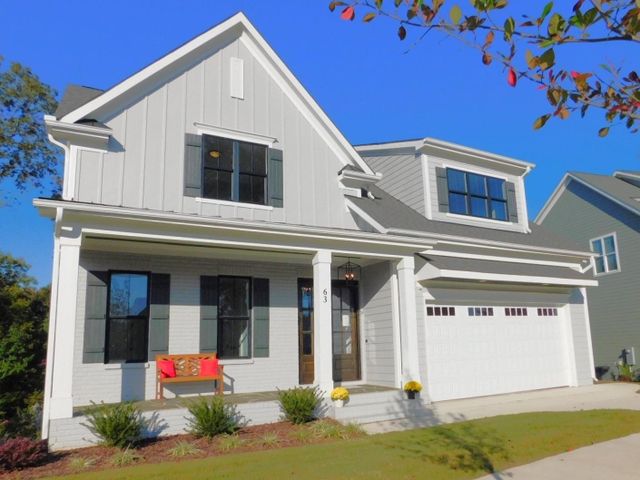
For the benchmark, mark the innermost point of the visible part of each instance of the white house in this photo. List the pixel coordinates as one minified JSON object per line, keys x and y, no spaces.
{"x":209,"y":205}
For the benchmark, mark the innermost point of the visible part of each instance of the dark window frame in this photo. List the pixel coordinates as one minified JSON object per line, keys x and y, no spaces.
{"x":468,"y":196}
{"x":248,"y":318}
{"x":236,"y":174}
{"x":107,"y":336}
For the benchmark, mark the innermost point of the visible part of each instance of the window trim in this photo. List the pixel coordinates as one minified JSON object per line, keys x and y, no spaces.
{"x":249,"y":319}
{"x":108,"y":318}
{"x":606,"y":265}
{"x":468,"y":195}
{"x":235,"y":171}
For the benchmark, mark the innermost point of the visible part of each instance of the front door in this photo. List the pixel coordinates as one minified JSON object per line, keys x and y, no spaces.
{"x":344,"y":321}
{"x":344,"y":330}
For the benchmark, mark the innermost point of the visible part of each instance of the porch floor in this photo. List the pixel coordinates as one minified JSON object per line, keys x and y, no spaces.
{"x":237,"y":398}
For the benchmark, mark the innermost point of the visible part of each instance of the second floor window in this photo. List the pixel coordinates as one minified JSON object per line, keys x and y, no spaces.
{"x":606,"y":250}
{"x":476,"y":195}
{"x":234,"y":170}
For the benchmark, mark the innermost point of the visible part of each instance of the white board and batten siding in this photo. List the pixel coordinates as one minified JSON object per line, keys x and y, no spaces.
{"x":144,"y":164}
{"x":472,"y":356}
{"x":114,"y":383}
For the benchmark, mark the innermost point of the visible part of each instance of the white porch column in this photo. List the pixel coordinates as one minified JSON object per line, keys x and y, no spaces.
{"x":408,"y":319}
{"x":322,"y":331}
{"x":62,"y":322}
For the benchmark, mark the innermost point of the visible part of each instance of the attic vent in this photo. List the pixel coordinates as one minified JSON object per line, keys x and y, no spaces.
{"x":236,"y":68}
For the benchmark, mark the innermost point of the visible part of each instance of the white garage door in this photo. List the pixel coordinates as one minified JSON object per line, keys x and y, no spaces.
{"x":474,"y":351}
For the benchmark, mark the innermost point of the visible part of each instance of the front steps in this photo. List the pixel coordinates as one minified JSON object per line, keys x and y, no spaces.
{"x":381,"y":407}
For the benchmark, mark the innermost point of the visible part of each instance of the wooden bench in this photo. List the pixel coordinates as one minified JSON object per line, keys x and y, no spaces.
{"x":187,"y":370}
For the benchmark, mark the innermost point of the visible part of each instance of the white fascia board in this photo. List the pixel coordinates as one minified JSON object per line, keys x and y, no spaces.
{"x":606,"y":195}
{"x":402,"y":146}
{"x":551,"y":201}
{"x":496,"y":258}
{"x":433,"y":273}
{"x":284,"y":77}
{"x":203,"y":128}
{"x":77,"y":133}
{"x":619,"y":173}
{"x":440,"y":147}
{"x":458,"y":240}
{"x":49,"y":207}
{"x":352,"y":179}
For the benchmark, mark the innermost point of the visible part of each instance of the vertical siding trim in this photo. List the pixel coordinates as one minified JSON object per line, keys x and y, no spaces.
{"x":165,"y":109}
{"x":143,"y":154}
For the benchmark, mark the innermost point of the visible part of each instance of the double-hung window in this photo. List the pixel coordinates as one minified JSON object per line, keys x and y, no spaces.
{"x":606,"y":249}
{"x":234,"y":170}
{"x":476,"y":195}
{"x":234,"y":317}
{"x":127,"y":317}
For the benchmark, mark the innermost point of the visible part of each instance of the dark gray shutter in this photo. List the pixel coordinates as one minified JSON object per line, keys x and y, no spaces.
{"x":443,"y":189}
{"x":159,"y":314}
{"x":193,"y":165}
{"x":512,"y":203}
{"x":95,"y":321}
{"x":208,"y":314}
{"x":260,"y":317}
{"x":276,"y":179}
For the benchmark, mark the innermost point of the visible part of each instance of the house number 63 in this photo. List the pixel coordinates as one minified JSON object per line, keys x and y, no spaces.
{"x":324,"y":296}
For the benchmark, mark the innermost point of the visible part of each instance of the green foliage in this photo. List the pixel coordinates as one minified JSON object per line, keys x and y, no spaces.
{"x":26,"y":156}
{"x":211,"y":417}
{"x":23,"y":317}
{"x":125,"y":457}
{"x":229,"y":442}
{"x":118,"y":425}
{"x":299,"y":404}
{"x":268,"y":440}
{"x":626,"y":373}
{"x":612,"y":90}
{"x":183,"y":449}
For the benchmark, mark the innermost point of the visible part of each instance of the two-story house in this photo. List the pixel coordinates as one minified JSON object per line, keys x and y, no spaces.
{"x":602,"y":213}
{"x":209,"y":205}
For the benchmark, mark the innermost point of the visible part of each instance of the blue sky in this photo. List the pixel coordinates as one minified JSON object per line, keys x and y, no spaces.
{"x":360,"y":74}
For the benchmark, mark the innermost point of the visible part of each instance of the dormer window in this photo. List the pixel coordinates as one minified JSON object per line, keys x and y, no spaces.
{"x":477,"y":195}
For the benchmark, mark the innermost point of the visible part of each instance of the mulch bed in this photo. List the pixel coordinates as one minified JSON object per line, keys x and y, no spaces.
{"x":259,"y":437}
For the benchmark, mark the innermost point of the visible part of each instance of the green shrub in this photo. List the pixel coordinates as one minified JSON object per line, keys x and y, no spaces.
{"x":211,"y":417}
{"x":118,"y":425}
{"x":299,"y":404}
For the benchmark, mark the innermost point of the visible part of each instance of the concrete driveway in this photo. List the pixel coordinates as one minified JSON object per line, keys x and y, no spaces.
{"x":615,"y":459}
{"x":592,"y":397}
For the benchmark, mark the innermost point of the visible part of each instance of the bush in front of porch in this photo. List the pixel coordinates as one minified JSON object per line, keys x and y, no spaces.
{"x":299,"y":404}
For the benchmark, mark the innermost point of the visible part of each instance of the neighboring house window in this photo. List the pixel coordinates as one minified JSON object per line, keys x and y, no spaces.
{"x":234,"y":317}
{"x":606,"y":249}
{"x":476,"y":195}
{"x":127,"y":317}
{"x":234,"y":170}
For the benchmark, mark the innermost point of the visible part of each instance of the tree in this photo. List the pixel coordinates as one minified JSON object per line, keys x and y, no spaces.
{"x":26,"y":156}
{"x":490,"y":27}
{"x":23,"y":316}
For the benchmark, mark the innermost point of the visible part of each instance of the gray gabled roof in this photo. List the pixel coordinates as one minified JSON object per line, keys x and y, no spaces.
{"x":74,"y":97}
{"x":391,"y":213}
{"x":620,"y":191}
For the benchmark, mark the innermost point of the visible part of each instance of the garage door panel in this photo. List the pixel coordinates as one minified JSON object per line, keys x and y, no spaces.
{"x":470,"y":356}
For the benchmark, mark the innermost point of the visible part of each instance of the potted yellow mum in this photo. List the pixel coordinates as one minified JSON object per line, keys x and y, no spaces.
{"x":339,"y":395}
{"x":412,"y":387}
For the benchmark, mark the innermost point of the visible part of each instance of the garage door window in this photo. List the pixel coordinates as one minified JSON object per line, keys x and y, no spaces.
{"x":480,"y":311}
{"x":547,"y":312}
{"x":441,"y":311}
{"x":516,"y":312}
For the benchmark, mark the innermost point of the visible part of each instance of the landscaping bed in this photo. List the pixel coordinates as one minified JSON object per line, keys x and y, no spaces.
{"x":247,"y":439}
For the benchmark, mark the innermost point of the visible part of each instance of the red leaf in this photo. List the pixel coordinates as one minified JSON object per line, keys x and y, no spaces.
{"x":348,"y":13}
{"x":574,"y":74}
{"x":511,"y":77}
{"x":402,"y":32}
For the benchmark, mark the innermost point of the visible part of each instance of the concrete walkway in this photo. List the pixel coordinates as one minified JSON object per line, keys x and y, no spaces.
{"x":615,"y":459}
{"x":592,"y":397}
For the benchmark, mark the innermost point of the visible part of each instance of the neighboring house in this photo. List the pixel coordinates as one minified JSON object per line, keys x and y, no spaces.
{"x":209,"y":205}
{"x":602,"y":213}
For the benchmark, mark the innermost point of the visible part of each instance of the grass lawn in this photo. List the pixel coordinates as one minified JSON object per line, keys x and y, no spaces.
{"x":463,"y":450}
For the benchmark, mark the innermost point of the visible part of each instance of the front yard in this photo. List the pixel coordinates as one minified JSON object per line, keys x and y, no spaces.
{"x":463,"y":450}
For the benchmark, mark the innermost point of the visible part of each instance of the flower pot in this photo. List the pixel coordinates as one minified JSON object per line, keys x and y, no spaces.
{"x":411,"y":395}
{"x":338,"y":403}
